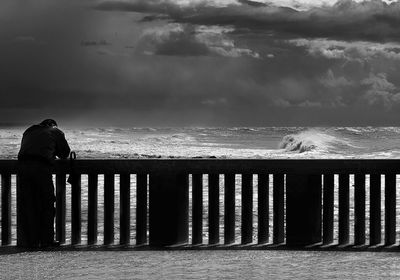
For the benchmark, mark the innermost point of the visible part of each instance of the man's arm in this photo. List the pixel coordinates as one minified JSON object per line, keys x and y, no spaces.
{"x":62,"y":147}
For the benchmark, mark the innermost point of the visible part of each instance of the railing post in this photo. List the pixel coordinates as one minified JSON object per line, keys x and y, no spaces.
{"x":359,"y":209}
{"x":92,"y":208}
{"x":303,"y":209}
{"x":375,"y":209}
{"x":390,"y":209}
{"x":344,"y":208}
{"x":109,"y":208}
{"x":278,"y":208}
{"x":328,"y":207}
{"x":229,"y":221}
{"x":6,"y":209}
{"x":197,"y":216}
{"x":169,"y":203}
{"x":263,"y":208}
{"x":141,"y":209}
{"x":60,"y":207}
{"x":76,"y":210}
{"x":213,"y":209}
{"x":125,"y":217}
{"x":247,"y":208}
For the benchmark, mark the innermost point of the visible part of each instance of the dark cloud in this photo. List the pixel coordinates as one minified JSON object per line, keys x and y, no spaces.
{"x":172,"y":40}
{"x":252,"y":3}
{"x":380,"y":92}
{"x":359,"y":51}
{"x":149,"y":6}
{"x":346,"y":20}
{"x":187,"y":40}
{"x":151,"y":18}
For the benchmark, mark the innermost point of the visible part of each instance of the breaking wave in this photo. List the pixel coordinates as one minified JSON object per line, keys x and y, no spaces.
{"x":310,"y":140}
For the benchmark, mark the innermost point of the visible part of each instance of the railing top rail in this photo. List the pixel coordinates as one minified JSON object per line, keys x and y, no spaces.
{"x":237,"y":166}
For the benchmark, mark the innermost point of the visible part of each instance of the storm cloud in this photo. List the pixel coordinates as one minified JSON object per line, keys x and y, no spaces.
{"x":346,"y":19}
{"x":351,"y":51}
{"x":186,"y":40}
{"x":201,"y":62}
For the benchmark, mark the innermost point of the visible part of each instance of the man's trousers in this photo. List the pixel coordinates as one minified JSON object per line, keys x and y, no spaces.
{"x":35,"y":204}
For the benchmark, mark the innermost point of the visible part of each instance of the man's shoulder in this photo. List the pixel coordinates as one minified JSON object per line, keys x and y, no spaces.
{"x":32,"y":128}
{"x":56,"y":131}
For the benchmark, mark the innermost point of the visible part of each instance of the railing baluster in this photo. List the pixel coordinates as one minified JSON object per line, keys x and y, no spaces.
{"x":168,"y":208}
{"x":375,"y":209}
{"x":303,"y":209}
{"x":247,"y":208}
{"x":359,"y":209}
{"x":92,"y":208}
{"x":125,"y":216}
{"x":213,"y":210}
{"x":197,"y":215}
{"x":229,"y":221}
{"x":108,"y":209}
{"x":344,"y":208}
{"x":263,"y":208}
{"x":390,"y":209}
{"x":278,"y":207}
{"x":60,"y":207}
{"x":328,"y":207}
{"x":76,"y":210}
{"x":182,"y":181}
{"x":6,"y":209}
{"x":141,"y":209}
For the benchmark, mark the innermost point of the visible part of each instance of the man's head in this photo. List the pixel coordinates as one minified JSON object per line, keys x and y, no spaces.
{"x":49,"y":122}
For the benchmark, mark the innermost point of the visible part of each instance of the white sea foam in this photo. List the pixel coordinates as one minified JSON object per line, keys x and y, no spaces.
{"x":309,"y":140}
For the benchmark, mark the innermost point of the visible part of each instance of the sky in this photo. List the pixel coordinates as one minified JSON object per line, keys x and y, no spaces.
{"x":200,"y":62}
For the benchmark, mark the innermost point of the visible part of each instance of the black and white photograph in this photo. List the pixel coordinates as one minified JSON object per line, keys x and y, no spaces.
{"x":200,"y":139}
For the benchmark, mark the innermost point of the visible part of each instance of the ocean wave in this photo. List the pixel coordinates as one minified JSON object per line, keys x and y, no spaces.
{"x":177,"y":138}
{"x":244,"y":129}
{"x":310,"y":140}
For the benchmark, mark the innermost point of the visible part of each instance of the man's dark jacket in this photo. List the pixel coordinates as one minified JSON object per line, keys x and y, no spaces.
{"x":43,"y":143}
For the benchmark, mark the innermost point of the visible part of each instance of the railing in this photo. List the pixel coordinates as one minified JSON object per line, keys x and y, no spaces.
{"x":304,"y":194}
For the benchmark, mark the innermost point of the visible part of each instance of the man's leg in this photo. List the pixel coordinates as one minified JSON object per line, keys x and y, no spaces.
{"x":27,"y":216}
{"x":47,"y":210}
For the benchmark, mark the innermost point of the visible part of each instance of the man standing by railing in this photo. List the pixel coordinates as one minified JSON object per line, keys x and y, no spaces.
{"x":40,"y":146}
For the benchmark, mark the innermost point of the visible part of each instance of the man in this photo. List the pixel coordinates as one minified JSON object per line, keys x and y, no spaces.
{"x":40,"y":146}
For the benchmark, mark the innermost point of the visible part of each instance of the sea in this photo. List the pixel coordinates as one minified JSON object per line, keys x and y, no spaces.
{"x":222,"y":142}
{"x":210,"y":142}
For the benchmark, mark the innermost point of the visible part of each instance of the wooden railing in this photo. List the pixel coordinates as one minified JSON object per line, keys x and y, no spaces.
{"x":304,"y":193}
